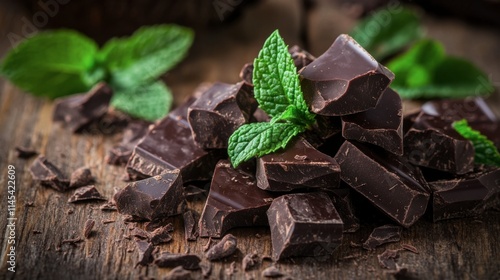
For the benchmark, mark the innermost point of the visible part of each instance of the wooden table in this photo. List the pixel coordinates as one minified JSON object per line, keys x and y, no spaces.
{"x":454,"y":249}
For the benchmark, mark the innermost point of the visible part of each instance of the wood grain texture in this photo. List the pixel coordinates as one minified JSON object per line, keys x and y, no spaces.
{"x":455,"y":249}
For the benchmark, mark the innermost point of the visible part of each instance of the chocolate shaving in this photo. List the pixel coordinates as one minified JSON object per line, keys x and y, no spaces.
{"x":191,"y":230}
{"x":87,"y":229}
{"x":382,"y":235}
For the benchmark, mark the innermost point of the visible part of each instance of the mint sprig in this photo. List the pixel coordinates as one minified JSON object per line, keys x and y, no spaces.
{"x":278,"y":92}
{"x":485,"y":150}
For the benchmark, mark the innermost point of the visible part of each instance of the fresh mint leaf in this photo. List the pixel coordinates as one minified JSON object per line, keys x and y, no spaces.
{"x":149,"y":102}
{"x":258,"y":139}
{"x":54,"y":64}
{"x":146,"y":55}
{"x":293,"y":115}
{"x":386,"y":32}
{"x":485,"y":150}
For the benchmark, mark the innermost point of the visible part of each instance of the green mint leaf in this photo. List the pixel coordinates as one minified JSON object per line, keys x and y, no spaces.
{"x":485,"y":150}
{"x":258,"y":139}
{"x":149,"y":102}
{"x":54,"y":64}
{"x":275,"y":78}
{"x":293,"y":115}
{"x":146,"y":55}
{"x":386,"y":32}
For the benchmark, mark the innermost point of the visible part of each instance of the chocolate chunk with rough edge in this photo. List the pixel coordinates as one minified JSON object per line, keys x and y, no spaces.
{"x":145,"y":252}
{"x":471,"y":109}
{"x":305,"y":224}
{"x":344,"y":80}
{"x":187,"y":261}
{"x":132,"y":134}
{"x":162,"y":234}
{"x":81,"y":177}
{"x":78,"y":111}
{"x":169,"y":145}
{"x":300,"y":165}
{"x":218,"y":112}
{"x":381,"y":126}
{"x":48,"y":174}
{"x":382,"y":235}
{"x":224,"y":248}
{"x":191,"y":229}
{"x":152,"y":198}
{"x":85,"y":194}
{"x":394,"y":186}
{"x":234,"y":200}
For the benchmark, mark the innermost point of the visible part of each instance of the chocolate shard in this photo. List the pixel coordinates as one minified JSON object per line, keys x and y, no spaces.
{"x":224,"y":248}
{"x":87,"y":228}
{"x":169,"y":145}
{"x":81,"y":177}
{"x":78,"y":111}
{"x":234,"y":200}
{"x":341,"y":199}
{"x":388,"y":259}
{"x":300,"y":165}
{"x":152,"y":198}
{"x":85,"y":194}
{"x":472,"y":109}
{"x":132,"y":134}
{"x":162,"y":234}
{"x":394,"y":186}
{"x":433,"y":142}
{"x":381,"y":126}
{"x":191,"y":229}
{"x":219,"y":112}
{"x":48,"y":174}
{"x":187,"y":261}
{"x":145,"y":252}
{"x":25,"y":153}
{"x":382,"y":235}
{"x":304,"y":225}
{"x":344,"y":80}
{"x":467,"y":195}
{"x":301,"y":58}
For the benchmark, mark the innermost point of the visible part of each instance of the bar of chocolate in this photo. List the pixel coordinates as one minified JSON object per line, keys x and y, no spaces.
{"x":300,"y":165}
{"x":381,"y":126}
{"x":304,"y":224}
{"x":433,"y":142}
{"x":132,"y":134}
{"x":152,"y":198}
{"x":344,"y":80}
{"x":467,"y":195}
{"x":218,"y":112}
{"x":471,"y":109}
{"x":48,"y":174}
{"x":169,"y":145}
{"x":78,"y":111}
{"x":234,"y":200}
{"x":394,"y":186}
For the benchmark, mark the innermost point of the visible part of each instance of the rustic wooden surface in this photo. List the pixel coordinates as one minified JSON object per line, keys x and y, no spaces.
{"x":455,"y":249}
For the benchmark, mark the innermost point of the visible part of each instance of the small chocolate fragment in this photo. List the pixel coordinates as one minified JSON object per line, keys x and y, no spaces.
{"x":108,"y":206}
{"x":78,"y":111}
{"x":381,"y":126}
{"x":25,"y":153}
{"x":187,"y":261}
{"x":191,"y":229}
{"x":162,"y":234}
{"x":395,"y":187}
{"x":471,"y":109}
{"x":382,"y":235}
{"x":81,"y":177}
{"x":301,"y":58}
{"x":48,"y":174}
{"x":85,"y":194}
{"x":300,"y":165}
{"x":304,"y":225}
{"x":341,"y":199}
{"x":272,"y":272}
{"x":145,"y":252}
{"x":133,"y":133}
{"x":224,"y":248}
{"x":139,"y":233}
{"x":178,"y":273}
{"x":152,"y":198}
{"x":246,"y":73}
{"x":87,"y":228}
{"x":344,"y":80}
{"x":250,"y":261}
{"x":388,"y":259}
{"x":234,"y":200}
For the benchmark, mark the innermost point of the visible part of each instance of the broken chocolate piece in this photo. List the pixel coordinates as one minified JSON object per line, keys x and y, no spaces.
{"x":145,"y":252}
{"x":87,"y":228}
{"x":108,"y":206}
{"x":162,"y":234}
{"x":300,"y":165}
{"x":187,"y":261}
{"x":85,"y":194}
{"x":472,"y":109}
{"x":381,"y":126}
{"x":388,"y":259}
{"x":78,"y":111}
{"x":169,"y":145}
{"x":140,"y":234}
{"x":234,"y":200}
{"x":395,"y":187}
{"x":152,"y":198}
{"x":344,"y":80}
{"x":301,"y":58}
{"x":382,"y":235}
{"x":133,"y":133}
{"x":25,"y":153}
{"x":48,"y":174}
{"x":224,"y":248}
{"x":250,"y":261}
{"x":304,"y":225}
{"x":272,"y":272}
{"x":191,"y":230}
{"x":81,"y":177}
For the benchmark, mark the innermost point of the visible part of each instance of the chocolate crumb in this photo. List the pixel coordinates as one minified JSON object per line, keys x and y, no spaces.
{"x":226,"y":247}
{"x":272,"y":272}
{"x":85,"y":194}
{"x":108,"y":206}
{"x":388,"y":259}
{"x":25,"y":153}
{"x":410,"y":248}
{"x":87,"y":229}
{"x":108,"y":221}
{"x":37,"y":231}
{"x":72,"y":241}
{"x":382,"y":235}
{"x":81,"y":177}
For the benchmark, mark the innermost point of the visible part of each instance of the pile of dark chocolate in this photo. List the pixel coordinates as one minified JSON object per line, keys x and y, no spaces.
{"x":405,"y":166}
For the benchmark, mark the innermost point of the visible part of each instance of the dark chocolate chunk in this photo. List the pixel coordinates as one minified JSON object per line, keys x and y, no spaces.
{"x":169,"y":145}
{"x":133,"y":133}
{"x":178,"y":273}
{"x":304,"y":225}
{"x":162,"y":234}
{"x":139,"y":233}
{"x":234,"y":200}
{"x":191,"y":229}
{"x":48,"y":174}
{"x":341,"y":199}
{"x":271,"y":272}
{"x":78,"y":111}
{"x":246,"y":73}
{"x":409,"y":120}
{"x":152,"y":198}
{"x":388,"y":259}
{"x":87,"y":228}
{"x":382,"y":235}
{"x":85,"y":194}
{"x":327,"y":127}
{"x":187,"y":261}
{"x":344,"y":80}
{"x":224,"y":248}
{"x":381,"y":126}
{"x":433,"y":142}
{"x":219,"y":112}
{"x":471,"y":109}
{"x":250,"y":261}
{"x":25,"y":153}
{"x":301,"y":58}
{"x":300,"y":165}
{"x":145,"y":252}
{"x":465,"y":196}
{"x":81,"y":177}
{"x":395,"y":187}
